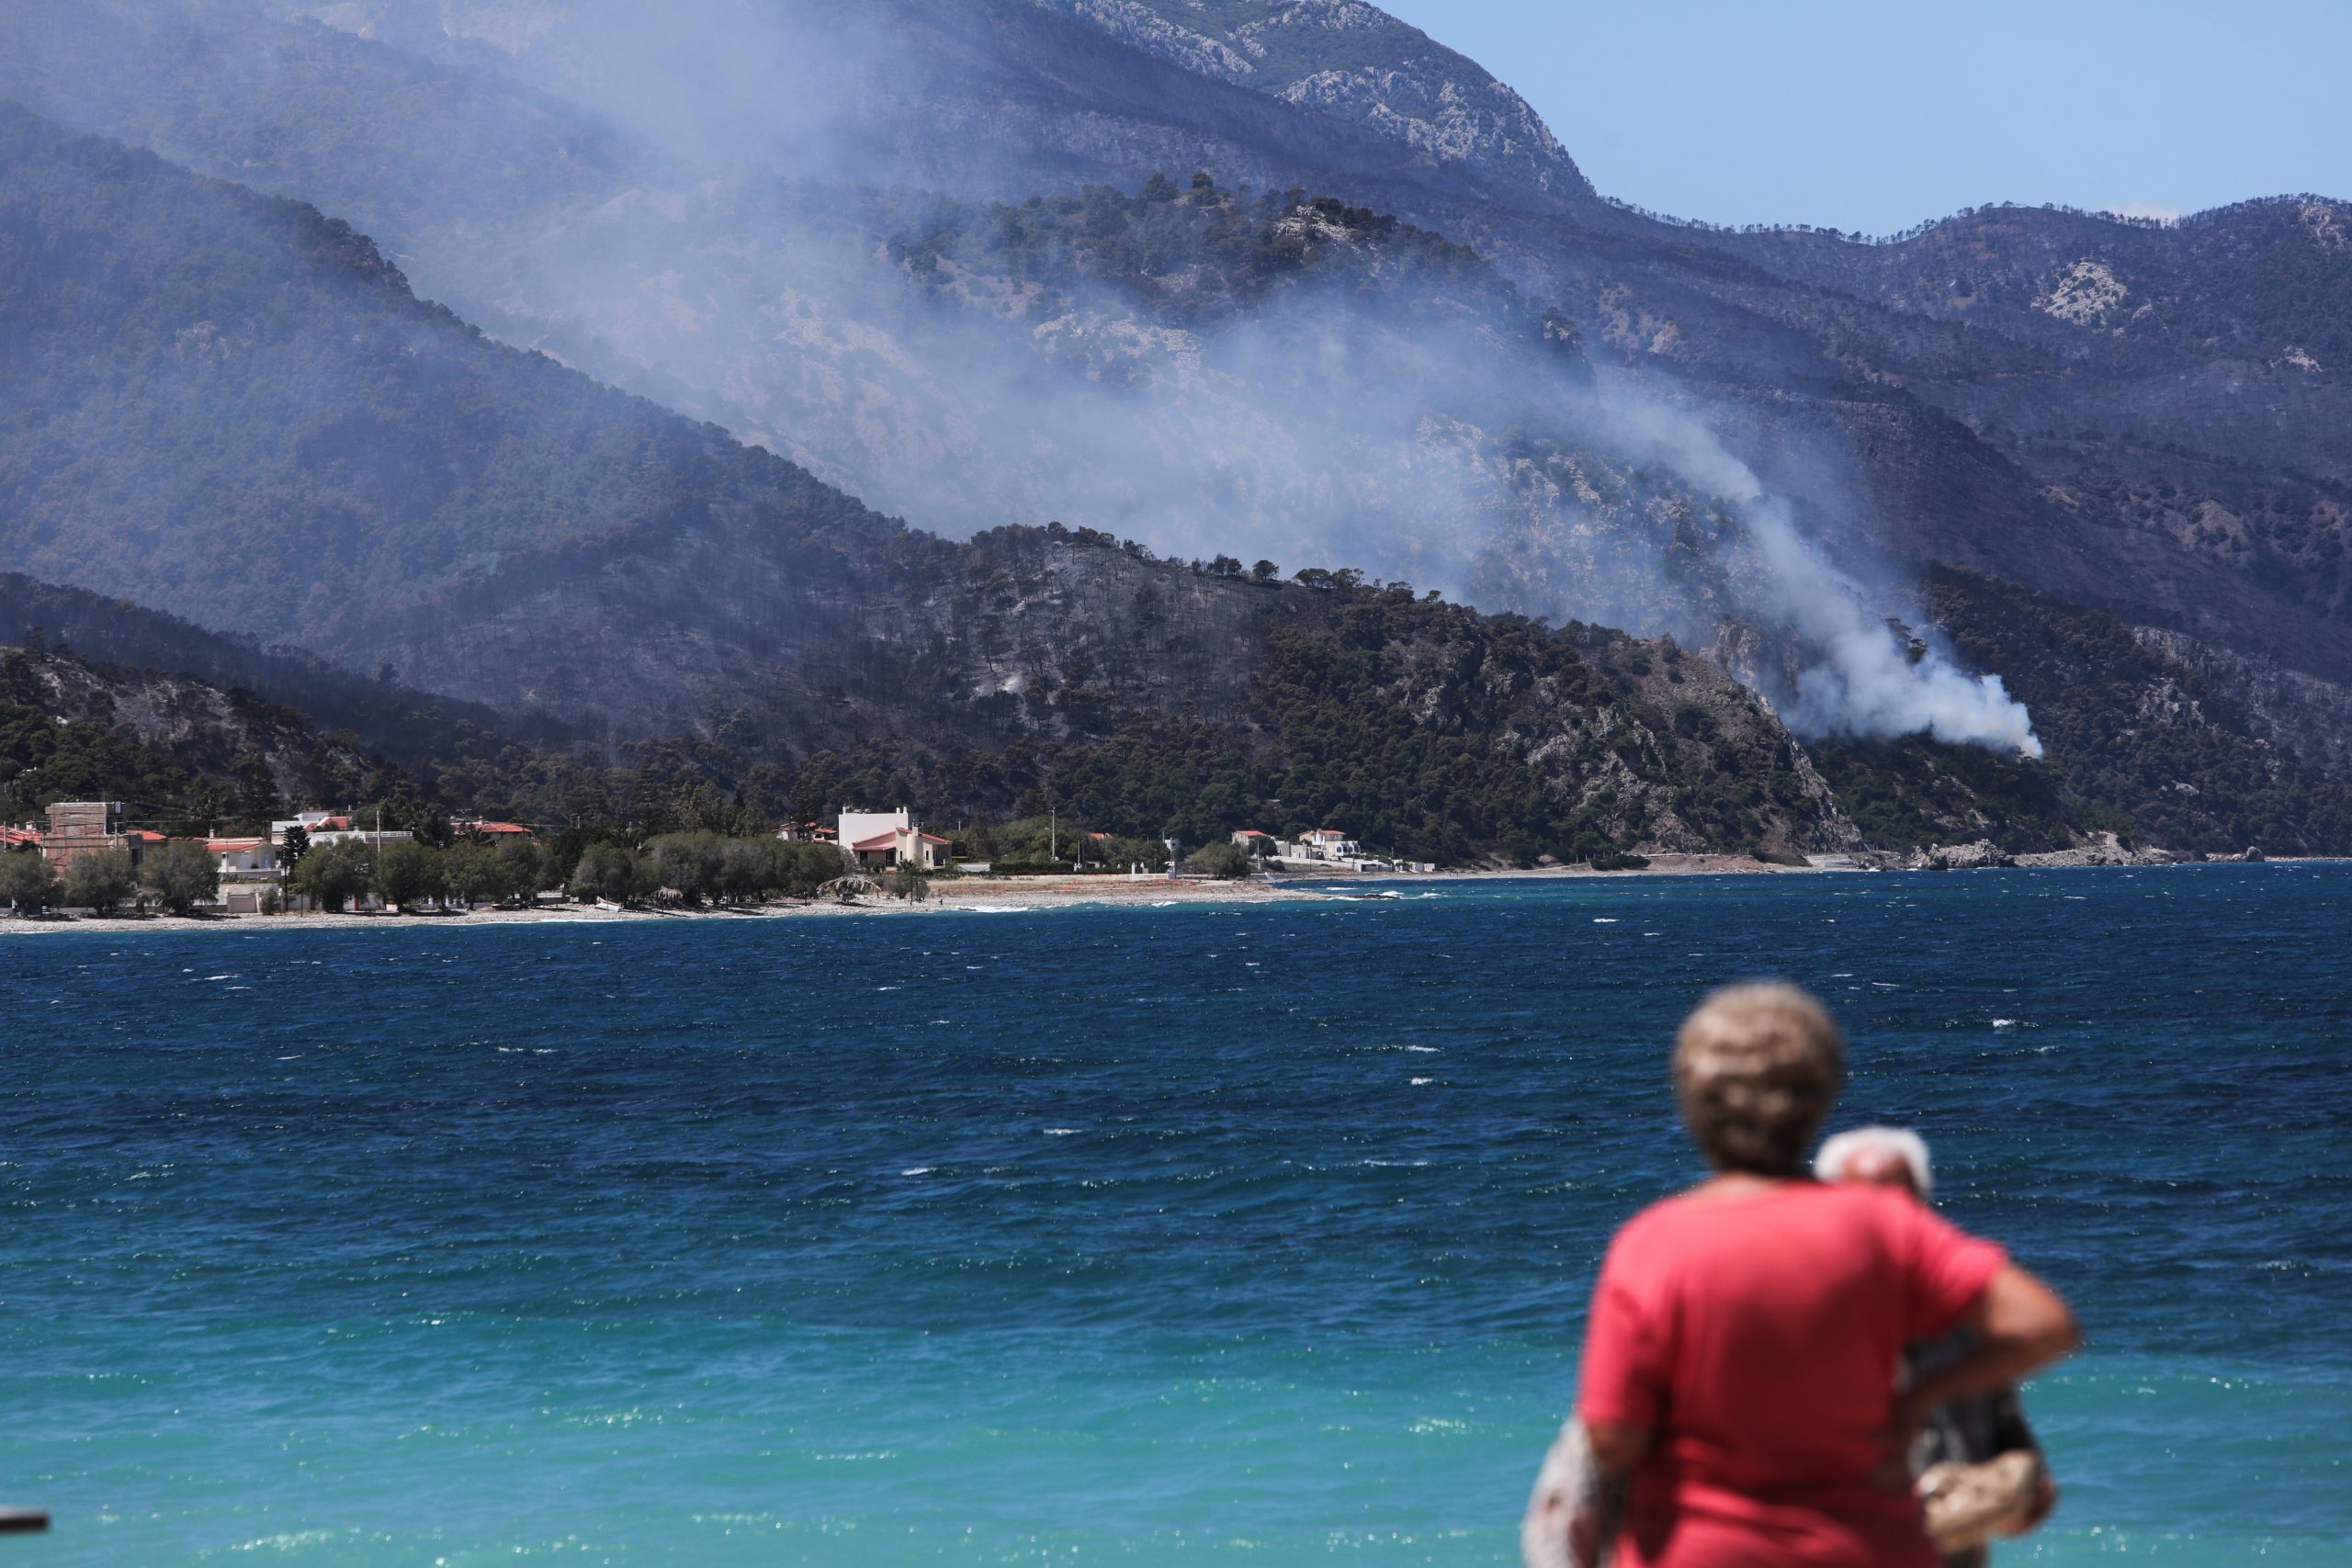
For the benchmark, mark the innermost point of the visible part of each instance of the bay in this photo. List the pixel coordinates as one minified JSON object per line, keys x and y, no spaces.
{"x":1235,"y":1232}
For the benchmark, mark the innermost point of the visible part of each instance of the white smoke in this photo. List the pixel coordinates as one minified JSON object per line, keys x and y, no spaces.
{"x":1855,"y":676}
{"x":1863,"y":682}
{"x":686,"y":230}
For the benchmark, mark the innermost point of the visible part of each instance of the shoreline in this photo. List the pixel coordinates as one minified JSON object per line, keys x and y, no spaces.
{"x":1019,"y":895}
{"x":966,"y":896}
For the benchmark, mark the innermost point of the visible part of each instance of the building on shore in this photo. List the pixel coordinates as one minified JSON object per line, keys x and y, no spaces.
{"x":496,"y":832}
{"x":79,"y":828}
{"x":248,"y":868}
{"x":334,"y":828}
{"x":1327,"y":844}
{"x":890,"y":839}
{"x":1322,"y":849}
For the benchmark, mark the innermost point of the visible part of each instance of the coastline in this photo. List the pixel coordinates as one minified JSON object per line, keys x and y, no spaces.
{"x":994,"y":896}
{"x":964,"y":895}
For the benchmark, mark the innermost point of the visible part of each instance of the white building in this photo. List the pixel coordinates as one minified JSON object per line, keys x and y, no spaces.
{"x":890,"y":837}
{"x":1323,"y":844}
{"x":248,"y":867}
{"x":334,"y":828}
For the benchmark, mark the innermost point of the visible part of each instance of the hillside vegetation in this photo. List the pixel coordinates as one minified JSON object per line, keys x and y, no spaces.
{"x":662,"y":627}
{"x":277,"y":437}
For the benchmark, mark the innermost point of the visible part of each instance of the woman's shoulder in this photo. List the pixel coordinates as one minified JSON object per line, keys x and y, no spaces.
{"x":1699,"y":1209}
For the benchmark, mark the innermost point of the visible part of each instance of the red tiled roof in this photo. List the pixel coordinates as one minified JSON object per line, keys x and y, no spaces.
{"x":932,"y":839}
{"x":879,"y":842}
{"x":235,"y":843}
{"x":145,"y":836}
{"x":14,"y":836}
{"x":498,"y":827}
{"x":1249,"y":833}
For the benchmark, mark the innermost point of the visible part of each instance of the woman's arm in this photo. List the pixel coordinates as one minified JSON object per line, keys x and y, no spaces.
{"x":1618,"y":1450}
{"x":1617,"y":1447}
{"x":2022,"y":1325}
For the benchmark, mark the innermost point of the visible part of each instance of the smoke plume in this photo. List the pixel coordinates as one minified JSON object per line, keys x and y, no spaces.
{"x":686,"y":204}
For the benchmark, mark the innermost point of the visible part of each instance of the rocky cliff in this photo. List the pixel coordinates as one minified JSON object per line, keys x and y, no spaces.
{"x":184,"y":755}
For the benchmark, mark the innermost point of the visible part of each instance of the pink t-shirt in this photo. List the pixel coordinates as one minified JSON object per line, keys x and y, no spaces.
{"x":1759,"y":1336}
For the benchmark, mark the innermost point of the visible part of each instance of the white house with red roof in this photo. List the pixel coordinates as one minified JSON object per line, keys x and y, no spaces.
{"x":1326,"y":844}
{"x":248,"y":868}
{"x":890,"y":837}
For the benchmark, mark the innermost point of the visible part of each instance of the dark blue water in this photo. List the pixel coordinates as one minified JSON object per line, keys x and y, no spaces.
{"x":1253,"y":1234}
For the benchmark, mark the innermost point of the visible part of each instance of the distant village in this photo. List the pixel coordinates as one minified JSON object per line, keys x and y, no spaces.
{"x":254,"y":874}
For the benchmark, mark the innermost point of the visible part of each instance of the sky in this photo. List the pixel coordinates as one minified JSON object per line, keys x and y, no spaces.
{"x":1876,"y":115}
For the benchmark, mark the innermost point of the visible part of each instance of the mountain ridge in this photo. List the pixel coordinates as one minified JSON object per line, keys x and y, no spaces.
{"x":1823,"y":393}
{"x":730,"y":633}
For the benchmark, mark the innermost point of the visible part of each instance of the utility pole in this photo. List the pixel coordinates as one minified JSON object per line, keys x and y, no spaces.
{"x":1054,"y":823}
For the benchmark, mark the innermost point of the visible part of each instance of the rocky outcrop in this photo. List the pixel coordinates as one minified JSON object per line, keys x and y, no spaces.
{"x":2297,"y":713}
{"x":229,"y":735}
{"x":2104,"y":849}
{"x":1355,"y":63}
{"x":1978,"y":856}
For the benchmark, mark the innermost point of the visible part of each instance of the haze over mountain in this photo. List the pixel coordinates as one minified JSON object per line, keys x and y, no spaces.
{"x":1761,"y":443}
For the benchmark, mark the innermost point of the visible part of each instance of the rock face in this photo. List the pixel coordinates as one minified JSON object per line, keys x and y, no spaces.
{"x":2103,"y":849}
{"x":1355,"y":63}
{"x":1961,"y":857}
{"x":219,"y":734}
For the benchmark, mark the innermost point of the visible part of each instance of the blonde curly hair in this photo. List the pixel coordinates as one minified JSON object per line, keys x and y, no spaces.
{"x":1756,"y":1067}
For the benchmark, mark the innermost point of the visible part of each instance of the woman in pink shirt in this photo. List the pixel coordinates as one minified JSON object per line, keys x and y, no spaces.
{"x":1740,"y":1368}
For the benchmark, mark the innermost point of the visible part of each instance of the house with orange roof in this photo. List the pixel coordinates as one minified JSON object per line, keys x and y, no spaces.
{"x":890,"y":839}
{"x":497,"y":832}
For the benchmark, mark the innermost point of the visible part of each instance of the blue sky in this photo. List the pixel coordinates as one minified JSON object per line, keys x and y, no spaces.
{"x":1875,"y":116}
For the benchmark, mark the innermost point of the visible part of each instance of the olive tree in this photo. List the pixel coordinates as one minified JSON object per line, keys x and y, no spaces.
{"x":181,"y":876}
{"x":610,"y":871}
{"x":523,"y":868}
{"x":407,"y":874}
{"x":333,"y":873}
{"x":472,"y":873}
{"x":26,"y":880}
{"x":1226,"y":861}
{"x":101,"y":882}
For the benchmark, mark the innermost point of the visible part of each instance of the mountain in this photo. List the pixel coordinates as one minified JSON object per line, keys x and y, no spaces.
{"x":184,"y":756}
{"x":468,"y":518}
{"x":1356,"y":341}
{"x":339,"y":462}
{"x":282,"y":440}
{"x":468,"y":745}
{"x":1354,"y":63}
{"x":671,"y":202}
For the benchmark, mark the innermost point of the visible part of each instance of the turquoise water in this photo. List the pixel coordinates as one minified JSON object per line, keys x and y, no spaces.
{"x":1238,"y":1235}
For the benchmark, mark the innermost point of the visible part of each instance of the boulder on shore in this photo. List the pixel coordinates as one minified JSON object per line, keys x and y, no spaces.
{"x":1963,"y":857}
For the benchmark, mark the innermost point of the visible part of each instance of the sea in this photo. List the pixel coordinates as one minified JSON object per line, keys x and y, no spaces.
{"x":1239,"y":1233}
